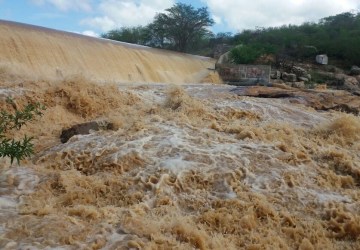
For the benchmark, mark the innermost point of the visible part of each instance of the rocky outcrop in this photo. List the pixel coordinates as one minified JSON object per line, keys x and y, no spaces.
{"x":296,"y":74}
{"x":301,"y":72}
{"x":304,"y":79}
{"x":85,"y":128}
{"x":289,"y":77}
{"x":317,"y":99}
{"x":340,"y":81}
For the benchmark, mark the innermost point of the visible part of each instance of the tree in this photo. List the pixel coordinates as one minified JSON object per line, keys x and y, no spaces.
{"x":181,"y":27}
{"x":156,"y":36}
{"x":137,"y":35}
{"x":221,"y":38}
{"x":17,"y":149}
{"x":182,"y":24}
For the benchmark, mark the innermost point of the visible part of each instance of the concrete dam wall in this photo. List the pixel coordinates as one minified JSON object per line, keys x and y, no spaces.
{"x":43,"y":52}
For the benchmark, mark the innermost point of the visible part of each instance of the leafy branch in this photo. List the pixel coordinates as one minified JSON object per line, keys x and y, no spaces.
{"x":17,"y":149}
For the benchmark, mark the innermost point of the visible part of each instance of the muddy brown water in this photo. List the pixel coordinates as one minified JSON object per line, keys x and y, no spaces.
{"x":190,"y":167}
{"x":194,"y":166}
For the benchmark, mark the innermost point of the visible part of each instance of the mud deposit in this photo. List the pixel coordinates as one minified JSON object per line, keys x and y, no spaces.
{"x":190,"y":167}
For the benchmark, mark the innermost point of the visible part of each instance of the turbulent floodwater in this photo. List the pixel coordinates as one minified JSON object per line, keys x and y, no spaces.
{"x":190,"y":167}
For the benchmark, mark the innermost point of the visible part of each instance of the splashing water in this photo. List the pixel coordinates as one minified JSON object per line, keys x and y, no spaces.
{"x":188,"y":167}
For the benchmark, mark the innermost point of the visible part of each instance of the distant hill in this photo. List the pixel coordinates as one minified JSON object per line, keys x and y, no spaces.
{"x":337,"y":36}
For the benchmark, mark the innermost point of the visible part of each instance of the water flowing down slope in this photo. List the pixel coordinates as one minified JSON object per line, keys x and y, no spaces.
{"x":43,"y":52}
{"x":196,"y":166}
{"x":191,"y":167}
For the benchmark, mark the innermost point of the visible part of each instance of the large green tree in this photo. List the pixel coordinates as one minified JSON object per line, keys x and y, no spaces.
{"x":182,"y":25}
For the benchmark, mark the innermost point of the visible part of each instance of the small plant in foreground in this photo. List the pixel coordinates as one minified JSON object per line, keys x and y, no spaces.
{"x":9,"y":147}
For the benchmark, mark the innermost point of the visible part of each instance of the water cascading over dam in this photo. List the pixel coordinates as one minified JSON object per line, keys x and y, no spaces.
{"x":186,"y":166}
{"x":44,"y":52}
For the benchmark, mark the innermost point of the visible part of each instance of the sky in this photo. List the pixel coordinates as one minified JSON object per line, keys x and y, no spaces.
{"x":95,"y":17}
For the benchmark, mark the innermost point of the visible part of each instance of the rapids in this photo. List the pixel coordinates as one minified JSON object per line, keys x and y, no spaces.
{"x":190,"y":166}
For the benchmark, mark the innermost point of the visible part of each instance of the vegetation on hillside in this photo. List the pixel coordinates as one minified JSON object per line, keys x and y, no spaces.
{"x":184,"y":28}
{"x":337,"y":36}
{"x":248,"y":53}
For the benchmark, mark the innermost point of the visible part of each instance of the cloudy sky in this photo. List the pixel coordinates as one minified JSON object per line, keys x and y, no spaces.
{"x":93,"y":17}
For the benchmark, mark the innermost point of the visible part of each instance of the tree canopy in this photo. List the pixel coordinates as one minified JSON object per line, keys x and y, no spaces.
{"x":181,"y":27}
{"x":183,"y":24}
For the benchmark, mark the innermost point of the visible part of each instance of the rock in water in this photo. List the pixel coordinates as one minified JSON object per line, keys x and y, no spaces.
{"x":317,"y":99}
{"x":84,"y":129}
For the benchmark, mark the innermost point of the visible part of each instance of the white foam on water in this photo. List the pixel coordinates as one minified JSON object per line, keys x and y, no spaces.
{"x":176,"y":166}
{"x":173,"y":151}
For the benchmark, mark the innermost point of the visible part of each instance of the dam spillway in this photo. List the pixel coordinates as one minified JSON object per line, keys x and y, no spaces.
{"x":43,"y":52}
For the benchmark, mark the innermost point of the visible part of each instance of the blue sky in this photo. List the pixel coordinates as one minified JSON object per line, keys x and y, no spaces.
{"x":94,"y":17}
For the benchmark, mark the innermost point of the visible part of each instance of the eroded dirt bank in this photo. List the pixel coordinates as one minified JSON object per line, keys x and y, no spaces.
{"x":192,"y":167}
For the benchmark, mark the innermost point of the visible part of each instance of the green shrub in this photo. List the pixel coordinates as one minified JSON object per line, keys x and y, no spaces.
{"x":9,"y":147}
{"x":246,"y":54}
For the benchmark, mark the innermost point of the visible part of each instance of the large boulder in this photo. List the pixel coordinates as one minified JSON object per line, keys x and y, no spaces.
{"x":301,"y":73}
{"x":289,"y":77}
{"x":322,"y":59}
{"x":85,"y":128}
{"x":351,"y":84}
{"x":304,"y":79}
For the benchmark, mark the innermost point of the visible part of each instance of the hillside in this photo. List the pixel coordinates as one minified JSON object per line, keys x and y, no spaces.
{"x":337,"y":36}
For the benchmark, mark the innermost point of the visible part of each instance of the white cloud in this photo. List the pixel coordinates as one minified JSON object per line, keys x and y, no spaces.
{"x":103,"y":23}
{"x":90,"y":33}
{"x":65,"y":5}
{"x":119,"y":13}
{"x":217,"y":19}
{"x":244,"y":14}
